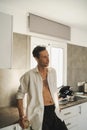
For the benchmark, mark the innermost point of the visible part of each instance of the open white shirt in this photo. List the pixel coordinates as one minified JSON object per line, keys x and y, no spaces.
{"x":32,"y":84}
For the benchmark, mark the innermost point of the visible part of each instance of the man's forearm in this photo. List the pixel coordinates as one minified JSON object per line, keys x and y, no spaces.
{"x":20,"y":107}
{"x":23,"y":121}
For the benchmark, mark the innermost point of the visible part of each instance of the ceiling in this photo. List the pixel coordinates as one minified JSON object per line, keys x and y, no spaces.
{"x":70,"y":12}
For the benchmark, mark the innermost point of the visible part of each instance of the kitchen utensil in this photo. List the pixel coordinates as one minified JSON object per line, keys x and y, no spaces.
{"x":64,"y":91}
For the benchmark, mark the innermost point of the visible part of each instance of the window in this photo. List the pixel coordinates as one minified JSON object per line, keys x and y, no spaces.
{"x":57,"y":55}
{"x":57,"y":63}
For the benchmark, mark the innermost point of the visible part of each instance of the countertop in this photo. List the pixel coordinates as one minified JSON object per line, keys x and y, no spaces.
{"x":8,"y":116}
{"x":73,"y":103}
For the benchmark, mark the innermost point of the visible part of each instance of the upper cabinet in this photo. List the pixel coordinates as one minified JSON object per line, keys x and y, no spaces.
{"x":20,"y":52}
{"x":6,"y":23}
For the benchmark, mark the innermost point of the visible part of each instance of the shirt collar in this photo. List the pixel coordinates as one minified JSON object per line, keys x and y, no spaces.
{"x":36,"y":69}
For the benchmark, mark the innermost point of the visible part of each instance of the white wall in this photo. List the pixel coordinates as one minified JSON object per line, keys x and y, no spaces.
{"x":20,"y":25}
{"x":78,"y":36}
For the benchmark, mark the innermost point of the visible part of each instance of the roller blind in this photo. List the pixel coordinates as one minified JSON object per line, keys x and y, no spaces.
{"x":45,"y":26}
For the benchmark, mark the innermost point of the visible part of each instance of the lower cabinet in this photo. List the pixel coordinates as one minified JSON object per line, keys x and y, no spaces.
{"x":75,"y":117}
{"x":70,"y":116}
{"x":82,"y":122}
{"x":11,"y":127}
{"x":19,"y":128}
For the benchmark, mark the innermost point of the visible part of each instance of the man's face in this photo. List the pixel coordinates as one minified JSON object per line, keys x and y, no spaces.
{"x":43,"y":59}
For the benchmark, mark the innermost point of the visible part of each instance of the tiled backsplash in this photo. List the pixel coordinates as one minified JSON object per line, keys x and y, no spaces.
{"x":9,"y":82}
{"x":76,"y":65}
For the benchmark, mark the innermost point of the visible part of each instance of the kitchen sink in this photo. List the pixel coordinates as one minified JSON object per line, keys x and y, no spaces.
{"x":72,"y":99}
{"x":76,"y":98}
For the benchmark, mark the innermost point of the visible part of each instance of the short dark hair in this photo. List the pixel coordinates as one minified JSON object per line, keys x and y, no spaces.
{"x":37,"y":50}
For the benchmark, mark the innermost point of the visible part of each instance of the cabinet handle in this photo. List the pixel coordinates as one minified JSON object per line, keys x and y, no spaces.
{"x":67,"y":113}
{"x":79,"y":109}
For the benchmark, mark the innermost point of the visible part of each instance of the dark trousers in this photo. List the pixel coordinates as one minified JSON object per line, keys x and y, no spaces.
{"x":51,"y":121}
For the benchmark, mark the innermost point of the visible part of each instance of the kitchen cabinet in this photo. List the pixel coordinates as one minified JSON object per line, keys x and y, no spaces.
{"x":6,"y":21}
{"x":82,"y":116}
{"x":19,"y":128}
{"x":20,"y":52}
{"x":11,"y":127}
{"x":70,"y":116}
{"x":75,"y":117}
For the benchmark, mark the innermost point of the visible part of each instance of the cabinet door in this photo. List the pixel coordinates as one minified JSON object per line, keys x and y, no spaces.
{"x":5,"y":40}
{"x":6,"y":128}
{"x":69,"y":112}
{"x":83,"y":116}
{"x":11,"y":127}
{"x":20,"y":54}
{"x":70,"y":116}
{"x":71,"y":123}
{"x":19,"y":128}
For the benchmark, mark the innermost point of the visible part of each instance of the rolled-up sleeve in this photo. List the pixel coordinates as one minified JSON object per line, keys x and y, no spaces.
{"x":23,"y":88}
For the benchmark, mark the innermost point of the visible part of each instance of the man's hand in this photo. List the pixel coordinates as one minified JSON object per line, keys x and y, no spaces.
{"x":24,"y":123}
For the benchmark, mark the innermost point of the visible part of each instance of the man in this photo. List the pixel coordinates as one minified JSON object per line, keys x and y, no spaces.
{"x":41,"y":88}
